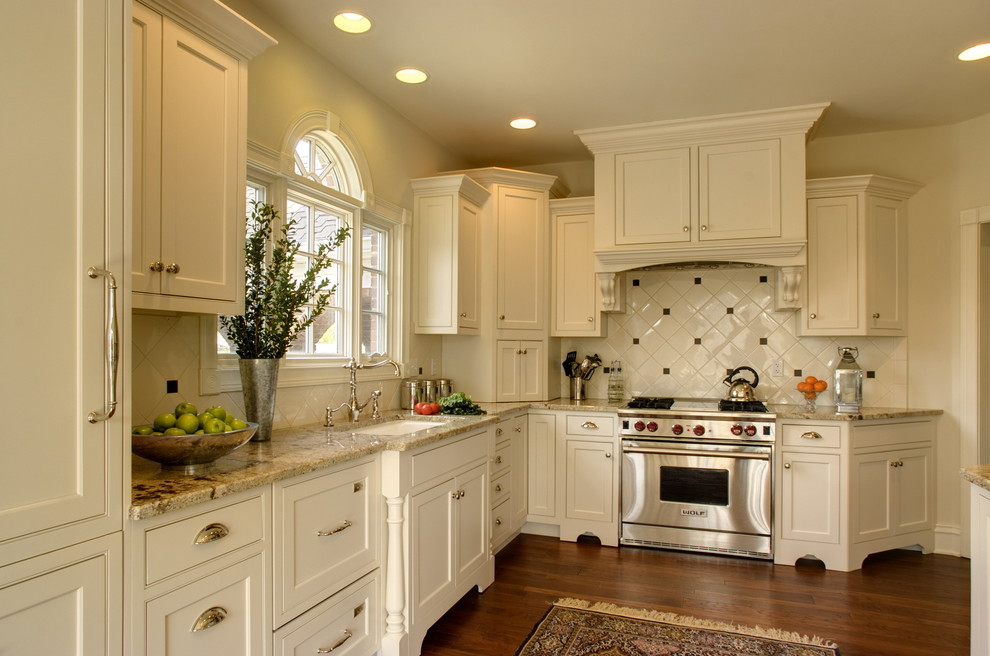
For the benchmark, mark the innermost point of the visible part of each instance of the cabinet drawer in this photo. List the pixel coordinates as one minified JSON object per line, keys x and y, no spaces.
{"x":176,"y":547}
{"x":597,"y":425}
{"x":501,"y":522}
{"x":501,"y":488}
{"x":503,"y":458}
{"x":347,"y":623}
{"x":508,"y":428}
{"x":222,"y":613}
{"x":817,"y":436}
{"x":440,"y":462}
{"x":326,"y":536}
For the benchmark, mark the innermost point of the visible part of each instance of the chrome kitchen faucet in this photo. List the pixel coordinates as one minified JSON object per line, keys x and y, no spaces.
{"x":353,"y":406}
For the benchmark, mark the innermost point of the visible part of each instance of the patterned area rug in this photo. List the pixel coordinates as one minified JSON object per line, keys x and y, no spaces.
{"x":580,"y":628}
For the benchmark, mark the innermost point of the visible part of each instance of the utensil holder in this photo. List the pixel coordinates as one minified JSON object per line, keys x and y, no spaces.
{"x":577,"y":388}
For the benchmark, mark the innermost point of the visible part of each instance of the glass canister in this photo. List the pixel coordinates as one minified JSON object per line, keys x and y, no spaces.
{"x":616,"y":384}
{"x":848,"y":381}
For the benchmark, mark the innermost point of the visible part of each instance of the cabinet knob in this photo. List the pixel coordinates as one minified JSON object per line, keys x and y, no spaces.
{"x":498,"y":460}
{"x":498,"y":521}
{"x":591,"y":320}
{"x":608,"y":455}
{"x":687,"y":228}
{"x":211,"y":533}
{"x":811,"y":435}
{"x":787,"y":465}
{"x":337,"y":645}
{"x":463,"y":315}
{"x":501,"y":317}
{"x":518,"y":429}
{"x":209,"y":617}
{"x":345,"y":525}
{"x":876,"y":315}
{"x":498,"y":488}
{"x":896,"y":463}
{"x":590,"y":425}
{"x":172,"y":268}
{"x":157,"y":267}
{"x":812,"y":316}
{"x":498,"y":431}
{"x":704,"y":228}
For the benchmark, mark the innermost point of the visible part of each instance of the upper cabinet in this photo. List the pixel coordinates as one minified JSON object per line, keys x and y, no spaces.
{"x":447,"y":234}
{"x":720,"y":188}
{"x":190,"y":154}
{"x":576,"y":295}
{"x":857,"y":259}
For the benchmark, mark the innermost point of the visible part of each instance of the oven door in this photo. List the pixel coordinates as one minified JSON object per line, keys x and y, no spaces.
{"x":712,"y":487}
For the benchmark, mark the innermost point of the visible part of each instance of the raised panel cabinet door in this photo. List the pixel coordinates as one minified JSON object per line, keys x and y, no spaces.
{"x":654,"y":197}
{"x":520,"y":471}
{"x":575,"y":285}
{"x":589,"y":480}
{"x":431,"y":521}
{"x":532,"y":370}
{"x":468,"y":265}
{"x":739,"y":190}
{"x":471,"y":538}
{"x":915,"y":493}
{"x":886,"y":257}
{"x":870,"y":495}
{"x":202,"y":197}
{"x":523,"y":232}
{"x":60,"y":476}
{"x":810,"y":495}
{"x":833,"y":276}
{"x":508,"y":361}
{"x":979,"y":525}
{"x":542,"y":463}
{"x":435,"y":245}
{"x":67,"y":602}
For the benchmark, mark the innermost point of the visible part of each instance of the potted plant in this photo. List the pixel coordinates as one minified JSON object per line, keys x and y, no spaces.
{"x":274,"y":298}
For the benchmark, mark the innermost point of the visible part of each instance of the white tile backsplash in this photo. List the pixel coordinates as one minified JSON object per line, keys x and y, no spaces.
{"x":669,"y":311}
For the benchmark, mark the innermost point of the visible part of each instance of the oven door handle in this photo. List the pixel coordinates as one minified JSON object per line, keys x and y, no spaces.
{"x":695,"y":452}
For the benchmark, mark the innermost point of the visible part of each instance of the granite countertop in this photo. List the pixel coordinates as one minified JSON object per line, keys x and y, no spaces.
{"x":296,"y":451}
{"x":977,"y":475}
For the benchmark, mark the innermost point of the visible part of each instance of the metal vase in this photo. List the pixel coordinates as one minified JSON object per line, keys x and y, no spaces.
{"x":259,"y":380}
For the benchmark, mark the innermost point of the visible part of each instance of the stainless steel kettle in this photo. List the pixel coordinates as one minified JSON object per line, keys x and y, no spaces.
{"x":742,"y":389}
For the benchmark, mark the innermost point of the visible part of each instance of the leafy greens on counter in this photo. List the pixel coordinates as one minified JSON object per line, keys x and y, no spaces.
{"x":459,"y":403}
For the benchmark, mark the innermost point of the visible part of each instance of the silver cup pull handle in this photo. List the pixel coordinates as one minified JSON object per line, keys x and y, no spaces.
{"x":209,"y":618}
{"x":345,"y":525}
{"x":112,"y":346}
{"x":211,"y":533}
{"x":337,"y":645}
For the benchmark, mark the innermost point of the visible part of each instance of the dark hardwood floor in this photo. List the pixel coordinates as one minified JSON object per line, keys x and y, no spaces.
{"x":901,"y":603}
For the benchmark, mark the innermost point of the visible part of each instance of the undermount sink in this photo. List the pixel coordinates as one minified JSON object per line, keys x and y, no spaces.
{"x":399,"y":427}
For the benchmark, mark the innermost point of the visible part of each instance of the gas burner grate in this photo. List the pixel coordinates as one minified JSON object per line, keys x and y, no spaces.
{"x":650,"y":402}
{"x":725,"y":405}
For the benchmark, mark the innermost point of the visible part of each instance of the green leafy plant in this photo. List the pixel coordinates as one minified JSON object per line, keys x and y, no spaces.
{"x":274,"y":298}
{"x":459,"y":403}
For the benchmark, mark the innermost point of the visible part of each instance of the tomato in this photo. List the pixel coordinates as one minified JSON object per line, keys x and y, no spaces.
{"x":434,"y":408}
{"x":421,"y":408}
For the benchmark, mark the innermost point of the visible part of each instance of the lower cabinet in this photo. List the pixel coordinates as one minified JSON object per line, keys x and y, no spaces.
{"x":66,"y":602}
{"x":438,"y":510}
{"x":574,"y":474}
{"x":346,"y":624}
{"x":848,"y":489}
{"x":979,"y":535}
{"x":508,"y":481}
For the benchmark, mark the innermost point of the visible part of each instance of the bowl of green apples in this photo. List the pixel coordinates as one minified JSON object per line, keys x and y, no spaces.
{"x":189,"y":440}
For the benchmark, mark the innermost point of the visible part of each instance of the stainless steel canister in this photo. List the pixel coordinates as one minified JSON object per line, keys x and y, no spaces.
{"x":411,"y":393}
{"x":429,"y":390}
{"x":444,"y":387}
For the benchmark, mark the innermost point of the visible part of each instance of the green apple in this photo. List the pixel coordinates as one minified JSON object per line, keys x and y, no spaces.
{"x":164,"y":421}
{"x":143,"y":430}
{"x":187,"y":422}
{"x":200,"y":432}
{"x":174,"y":431}
{"x":238,"y":424}
{"x":185,"y":408}
{"x":204,"y":417}
{"x":218,"y":412}
{"x":213,"y":426}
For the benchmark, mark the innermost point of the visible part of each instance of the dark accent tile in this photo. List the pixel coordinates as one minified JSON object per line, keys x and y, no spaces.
{"x":730,"y":310}
{"x":871,"y":374}
{"x":635,"y":340}
{"x":697,"y":281}
{"x":697,"y":340}
{"x":666,"y":311}
{"x":763,"y":341}
{"x":798,"y":372}
{"x":763,"y":278}
{"x":666,"y":371}
{"x":171,"y":387}
{"x":635,"y":282}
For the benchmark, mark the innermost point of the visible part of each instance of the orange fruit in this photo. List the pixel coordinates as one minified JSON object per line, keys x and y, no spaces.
{"x":810,"y":379}
{"x":820,"y":386}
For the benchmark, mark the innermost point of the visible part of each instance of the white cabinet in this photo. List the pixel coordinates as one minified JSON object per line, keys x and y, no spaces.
{"x":847,"y":489}
{"x":438,"y":519}
{"x":575,"y":293}
{"x":61,"y":477}
{"x":347,"y":624}
{"x":523,"y":256}
{"x":721,"y":187}
{"x":979,"y":532}
{"x":521,"y":370}
{"x":508,"y":481}
{"x":857,"y":256}
{"x":447,"y":251}
{"x":574,"y":474}
{"x":189,"y":137}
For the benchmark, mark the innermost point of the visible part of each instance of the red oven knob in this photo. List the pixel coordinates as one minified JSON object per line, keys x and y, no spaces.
{"x":639,"y":426}
{"x":699,"y":430}
{"x":652,"y":427}
{"x":736,"y":429}
{"x":676,"y":429}
{"x":751,"y":430}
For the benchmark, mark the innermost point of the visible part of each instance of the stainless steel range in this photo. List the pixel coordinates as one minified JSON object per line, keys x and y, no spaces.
{"x":696,"y":475}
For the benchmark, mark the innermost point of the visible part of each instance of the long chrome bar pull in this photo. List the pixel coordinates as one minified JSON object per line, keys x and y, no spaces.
{"x":112,"y":346}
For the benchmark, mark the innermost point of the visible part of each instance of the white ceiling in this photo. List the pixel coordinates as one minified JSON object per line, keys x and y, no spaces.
{"x":578,"y":64}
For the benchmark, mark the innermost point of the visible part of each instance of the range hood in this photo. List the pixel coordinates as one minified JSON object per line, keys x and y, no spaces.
{"x":726,"y":188}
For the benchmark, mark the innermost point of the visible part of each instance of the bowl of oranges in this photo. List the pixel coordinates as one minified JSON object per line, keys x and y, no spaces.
{"x":811,"y":387}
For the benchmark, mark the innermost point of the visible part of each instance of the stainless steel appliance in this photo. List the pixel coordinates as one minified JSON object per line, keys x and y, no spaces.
{"x":697,"y":476}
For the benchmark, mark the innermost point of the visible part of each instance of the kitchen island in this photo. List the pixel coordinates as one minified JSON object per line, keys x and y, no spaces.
{"x":979,"y":536}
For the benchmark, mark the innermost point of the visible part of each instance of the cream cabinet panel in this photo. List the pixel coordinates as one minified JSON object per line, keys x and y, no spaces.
{"x":222,"y":613}
{"x":521,"y":280}
{"x":892,"y":492}
{"x":654,"y":197}
{"x":189,"y":133}
{"x":519,"y":438}
{"x":447,"y":242}
{"x":542,"y":462}
{"x":590,"y":481}
{"x":508,"y":484}
{"x":521,"y":370}
{"x":61,"y":477}
{"x":67,"y":602}
{"x":576,"y":295}
{"x":739,"y":190}
{"x":347,"y":624}
{"x":857,"y":260}
{"x":809,"y":505}
{"x":979,"y":536}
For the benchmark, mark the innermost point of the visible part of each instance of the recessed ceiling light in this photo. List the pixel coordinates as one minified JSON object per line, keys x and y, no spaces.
{"x":351,"y":22}
{"x":411,"y":76}
{"x":522,"y":123}
{"x":979,"y":51}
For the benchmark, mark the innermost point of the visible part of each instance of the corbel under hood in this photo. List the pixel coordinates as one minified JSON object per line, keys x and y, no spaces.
{"x":727,"y":188}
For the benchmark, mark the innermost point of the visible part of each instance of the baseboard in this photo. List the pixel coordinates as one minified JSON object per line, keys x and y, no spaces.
{"x":536,"y":528}
{"x":949,"y":541}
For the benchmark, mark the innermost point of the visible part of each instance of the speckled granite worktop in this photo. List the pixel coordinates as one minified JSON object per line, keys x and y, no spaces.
{"x":296,"y":451}
{"x":977,"y":475}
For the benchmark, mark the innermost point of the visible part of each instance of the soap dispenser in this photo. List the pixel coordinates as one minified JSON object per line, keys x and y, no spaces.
{"x":848,"y":382}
